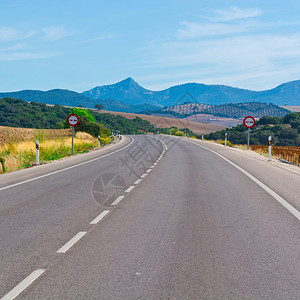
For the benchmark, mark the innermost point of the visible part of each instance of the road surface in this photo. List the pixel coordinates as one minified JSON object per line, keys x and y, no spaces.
{"x":151,"y":218}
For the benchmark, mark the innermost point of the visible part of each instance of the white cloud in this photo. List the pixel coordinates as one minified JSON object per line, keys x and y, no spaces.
{"x":14,"y":56}
{"x":235,"y":13}
{"x":54,"y":33}
{"x":192,"y":30}
{"x":8,"y":34}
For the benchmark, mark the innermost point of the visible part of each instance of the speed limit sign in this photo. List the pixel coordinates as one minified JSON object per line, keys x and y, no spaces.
{"x":73,"y":120}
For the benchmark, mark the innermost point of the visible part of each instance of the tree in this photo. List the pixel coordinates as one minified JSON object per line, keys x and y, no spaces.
{"x":99,"y":106}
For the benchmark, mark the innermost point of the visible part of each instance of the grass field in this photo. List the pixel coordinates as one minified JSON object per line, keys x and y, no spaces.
{"x":18,"y":148}
{"x":164,"y":122}
{"x":290,"y":154}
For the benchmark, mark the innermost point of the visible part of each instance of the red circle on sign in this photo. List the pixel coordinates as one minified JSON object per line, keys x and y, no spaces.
{"x":73,"y":120}
{"x":249,"y":122}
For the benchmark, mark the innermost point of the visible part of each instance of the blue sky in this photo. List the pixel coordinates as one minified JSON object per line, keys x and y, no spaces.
{"x":78,"y":45}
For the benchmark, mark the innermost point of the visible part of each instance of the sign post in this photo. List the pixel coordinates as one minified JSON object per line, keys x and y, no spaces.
{"x":37,"y":147}
{"x":270,"y":148}
{"x":73,"y":121}
{"x":225,"y":139}
{"x":98,"y":141}
{"x":249,"y":122}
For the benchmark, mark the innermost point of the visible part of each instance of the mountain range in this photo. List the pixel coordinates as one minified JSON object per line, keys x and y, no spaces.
{"x":128,"y":96}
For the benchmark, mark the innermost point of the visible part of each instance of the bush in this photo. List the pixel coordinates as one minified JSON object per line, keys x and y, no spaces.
{"x":228,"y":143}
{"x":179,"y":133}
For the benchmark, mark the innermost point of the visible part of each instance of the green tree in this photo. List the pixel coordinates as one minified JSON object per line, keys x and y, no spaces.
{"x":99,"y":106}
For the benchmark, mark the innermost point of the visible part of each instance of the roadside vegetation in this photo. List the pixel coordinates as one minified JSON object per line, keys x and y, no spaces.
{"x":16,"y":155}
{"x":284,"y":131}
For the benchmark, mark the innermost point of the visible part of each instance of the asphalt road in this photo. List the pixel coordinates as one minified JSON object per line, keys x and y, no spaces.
{"x":147,"y":218}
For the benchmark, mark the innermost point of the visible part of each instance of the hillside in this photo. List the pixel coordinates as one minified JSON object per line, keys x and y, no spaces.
{"x":230,"y":110}
{"x":284,"y":131}
{"x":19,"y":113}
{"x":163,"y":122}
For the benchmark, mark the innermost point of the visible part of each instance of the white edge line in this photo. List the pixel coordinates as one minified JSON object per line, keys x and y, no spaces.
{"x":23,"y":284}
{"x":65,"y":169}
{"x":138,"y":181}
{"x":164,"y":144}
{"x":283,"y":202}
{"x":71,"y":242}
{"x":129,"y":189}
{"x":144,"y":175}
{"x":149,"y":170}
{"x":100,"y":217}
{"x":117,"y":200}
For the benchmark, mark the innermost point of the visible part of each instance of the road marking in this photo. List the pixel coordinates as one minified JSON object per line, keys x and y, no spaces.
{"x":163,"y":143}
{"x":17,"y":290}
{"x":155,"y":164}
{"x":117,"y":200}
{"x":71,"y":242}
{"x":129,"y":189}
{"x":152,"y":167}
{"x":100,"y":217}
{"x":65,"y":169}
{"x":148,"y":171}
{"x":144,"y":175}
{"x":138,"y":181}
{"x":282,"y":201}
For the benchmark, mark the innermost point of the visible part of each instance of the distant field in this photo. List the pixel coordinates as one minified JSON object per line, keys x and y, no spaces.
{"x":12,"y":134}
{"x":169,"y":122}
{"x":292,"y":108}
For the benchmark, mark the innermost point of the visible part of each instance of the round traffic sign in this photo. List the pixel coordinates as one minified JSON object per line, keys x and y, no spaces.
{"x":249,"y":122}
{"x":73,"y":120}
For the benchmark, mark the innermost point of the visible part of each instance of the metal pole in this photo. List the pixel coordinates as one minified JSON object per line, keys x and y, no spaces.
{"x":248,"y":141}
{"x":98,"y":141}
{"x":37,"y":162}
{"x":225,"y":139}
{"x":72,"y":140}
{"x":202,"y":136}
{"x":270,"y":148}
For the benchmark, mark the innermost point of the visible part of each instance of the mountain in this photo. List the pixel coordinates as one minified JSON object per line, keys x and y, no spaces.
{"x":69,"y":98}
{"x":131,"y":92}
{"x":128,"y":96}
{"x":128,"y":91}
{"x":57,"y":96}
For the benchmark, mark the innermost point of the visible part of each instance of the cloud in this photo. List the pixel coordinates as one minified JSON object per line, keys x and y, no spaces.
{"x":192,"y":30}
{"x":54,"y":33}
{"x":8,"y":34}
{"x":14,"y":56}
{"x":235,"y":13}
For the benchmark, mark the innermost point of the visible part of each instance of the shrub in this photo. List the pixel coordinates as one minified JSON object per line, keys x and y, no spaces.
{"x":179,"y":133}
{"x":228,"y":143}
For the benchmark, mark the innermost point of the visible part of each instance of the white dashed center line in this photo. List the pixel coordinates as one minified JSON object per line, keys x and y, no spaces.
{"x":129,"y":189}
{"x":23,"y":285}
{"x":100,"y":217}
{"x":117,"y":200}
{"x":71,"y":242}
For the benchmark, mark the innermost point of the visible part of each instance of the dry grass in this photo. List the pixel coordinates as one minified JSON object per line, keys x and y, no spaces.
{"x":290,"y":154}
{"x":19,"y":150}
{"x":16,"y":135}
{"x":164,"y":122}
